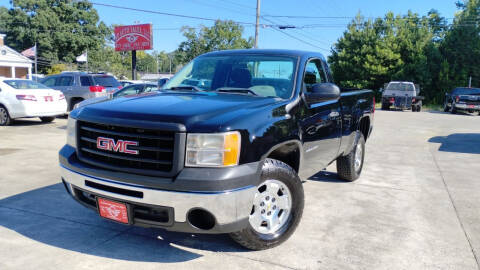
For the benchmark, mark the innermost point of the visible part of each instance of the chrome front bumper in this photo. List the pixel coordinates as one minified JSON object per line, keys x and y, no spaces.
{"x":227,"y":207}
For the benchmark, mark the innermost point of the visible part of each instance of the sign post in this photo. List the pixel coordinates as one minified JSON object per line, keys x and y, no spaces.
{"x":133,"y":38}
{"x":134,"y":64}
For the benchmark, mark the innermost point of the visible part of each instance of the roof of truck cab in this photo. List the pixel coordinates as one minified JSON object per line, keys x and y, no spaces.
{"x":297,"y":53}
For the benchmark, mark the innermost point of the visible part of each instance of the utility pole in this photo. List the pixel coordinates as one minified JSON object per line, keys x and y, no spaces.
{"x":257,"y":24}
{"x":36,"y":61}
{"x":470,"y":82}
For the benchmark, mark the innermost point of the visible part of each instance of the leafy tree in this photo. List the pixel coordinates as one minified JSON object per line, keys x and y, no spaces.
{"x":56,"y":69}
{"x":461,"y":47}
{"x":62,"y":29}
{"x":223,"y":35}
{"x":373,"y":52}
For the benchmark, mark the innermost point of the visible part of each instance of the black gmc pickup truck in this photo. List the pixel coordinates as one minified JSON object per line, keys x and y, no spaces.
{"x":221,"y":148}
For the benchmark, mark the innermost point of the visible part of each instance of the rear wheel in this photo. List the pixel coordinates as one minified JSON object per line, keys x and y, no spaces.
{"x":350,"y":167}
{"x":5,"y":119}
{"x":47,"y":119}
{"x":277,"y":208}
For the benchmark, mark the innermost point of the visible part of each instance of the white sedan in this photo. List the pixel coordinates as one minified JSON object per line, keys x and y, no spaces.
{"x":21,"y":98}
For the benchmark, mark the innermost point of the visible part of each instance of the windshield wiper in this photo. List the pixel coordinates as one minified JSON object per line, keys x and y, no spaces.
{"x":236,"y":90}
{"x":185,"y":87}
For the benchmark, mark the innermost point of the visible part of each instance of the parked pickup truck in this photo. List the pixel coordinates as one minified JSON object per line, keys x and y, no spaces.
{"x":402,"y":95}
{"x":462,"y":99}
{"x":221,"y":149}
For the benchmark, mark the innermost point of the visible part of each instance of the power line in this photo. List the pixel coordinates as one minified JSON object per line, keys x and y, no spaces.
{"x":298,"y":32}
{"x":301,"y":40}
{"x":166,"y":13}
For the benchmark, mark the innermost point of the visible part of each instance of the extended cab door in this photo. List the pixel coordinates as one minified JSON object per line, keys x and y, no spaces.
{"x":320,"y":122}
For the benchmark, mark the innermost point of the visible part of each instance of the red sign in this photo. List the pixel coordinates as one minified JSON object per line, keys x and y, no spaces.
{"x":133,"y":37}
{"x":113,"y":210}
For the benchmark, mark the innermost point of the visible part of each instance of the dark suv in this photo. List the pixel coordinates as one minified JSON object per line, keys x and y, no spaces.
{"x":79,"y":86}
{"x":462,"y":99}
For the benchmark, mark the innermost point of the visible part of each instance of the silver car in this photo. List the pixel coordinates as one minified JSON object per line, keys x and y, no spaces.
{"x":79,"y":86}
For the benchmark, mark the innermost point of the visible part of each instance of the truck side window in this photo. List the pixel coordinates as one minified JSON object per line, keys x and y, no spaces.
{"x":314,"y":74}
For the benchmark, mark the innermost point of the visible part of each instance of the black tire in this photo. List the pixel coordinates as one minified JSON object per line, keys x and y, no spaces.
{"x":74,"y":102}
{"x":419,"y":108}
{"x":453,"y":110}
{"x":414,"y":108}
{"x":346,"y":164}
{"x":277,"y":170}
{"x":445,"y":107}
{"x":5,"y":119}
{"x":47,"y":119}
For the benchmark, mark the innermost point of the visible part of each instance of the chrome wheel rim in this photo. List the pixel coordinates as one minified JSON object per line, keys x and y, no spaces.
{"x":358,"y":157}
{"x":272,"y":205}
{"x":3,"y":116}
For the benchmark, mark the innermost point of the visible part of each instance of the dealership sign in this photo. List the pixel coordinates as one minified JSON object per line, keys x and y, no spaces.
{"x":133,"y":37}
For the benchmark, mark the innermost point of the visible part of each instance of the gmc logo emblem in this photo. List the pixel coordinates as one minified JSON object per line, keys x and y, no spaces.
{"x":121,"y":146}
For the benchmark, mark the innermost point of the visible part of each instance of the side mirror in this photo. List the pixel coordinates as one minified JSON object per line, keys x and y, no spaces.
{"x":322,"y":92}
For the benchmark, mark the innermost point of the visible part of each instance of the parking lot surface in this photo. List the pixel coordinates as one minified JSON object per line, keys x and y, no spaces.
{"x":416,"y":206}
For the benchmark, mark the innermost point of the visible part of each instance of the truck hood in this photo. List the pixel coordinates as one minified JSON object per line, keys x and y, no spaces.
{"x":175,"y":107}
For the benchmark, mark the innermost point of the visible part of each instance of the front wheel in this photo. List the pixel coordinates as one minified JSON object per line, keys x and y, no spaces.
{"x":47,"y":119}
{"x":5,"y":119}
{"x":454,"y":110}
{"x":445,"y":107}
{"x":350,"y":167}
{"x":277,"y":208}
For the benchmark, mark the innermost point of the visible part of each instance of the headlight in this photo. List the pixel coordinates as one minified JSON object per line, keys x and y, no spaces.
{"x":213,"y":150}
{"x":71,"y":130}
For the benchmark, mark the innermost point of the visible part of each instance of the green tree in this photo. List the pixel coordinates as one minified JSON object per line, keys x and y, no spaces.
{"x":373,"y":52}
{"x":62,"y":29}
{"x":223,"y":35}
{"x":106,"y":59}
{"x":461,"y":48}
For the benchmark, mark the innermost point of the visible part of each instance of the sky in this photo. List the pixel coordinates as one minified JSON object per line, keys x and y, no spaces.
{"x":167,"y":35}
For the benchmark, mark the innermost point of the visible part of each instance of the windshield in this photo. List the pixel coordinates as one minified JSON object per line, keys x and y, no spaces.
{"x":466,"y":91}
{"x":25,"y":84}
{"x":107,"y":81}
{"x":266,"y":76}
{"x":400,"y":87}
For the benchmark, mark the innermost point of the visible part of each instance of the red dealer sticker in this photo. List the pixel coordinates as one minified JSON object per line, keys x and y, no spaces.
{"x":133,"y":37}
{"x":113,"y":210}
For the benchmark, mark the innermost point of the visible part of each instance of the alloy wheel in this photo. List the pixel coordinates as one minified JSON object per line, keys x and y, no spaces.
{"x":271,"y":207}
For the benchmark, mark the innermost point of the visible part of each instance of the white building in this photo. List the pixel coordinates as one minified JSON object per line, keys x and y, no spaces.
{"x":12,"y":63}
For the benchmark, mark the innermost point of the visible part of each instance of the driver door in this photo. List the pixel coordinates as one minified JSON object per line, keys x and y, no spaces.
{"x":321,"y":122}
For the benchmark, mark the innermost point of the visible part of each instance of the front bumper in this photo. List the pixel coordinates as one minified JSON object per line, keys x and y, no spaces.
{"x":229,"y":207}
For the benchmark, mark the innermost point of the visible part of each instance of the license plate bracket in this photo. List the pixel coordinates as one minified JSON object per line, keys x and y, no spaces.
{"x":112,"y":210}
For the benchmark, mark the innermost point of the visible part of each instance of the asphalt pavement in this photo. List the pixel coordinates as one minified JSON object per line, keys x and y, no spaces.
{"x":416,"y":206}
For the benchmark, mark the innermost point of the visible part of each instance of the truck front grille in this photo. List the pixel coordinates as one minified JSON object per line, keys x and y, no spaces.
{"x":155,"y":149}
